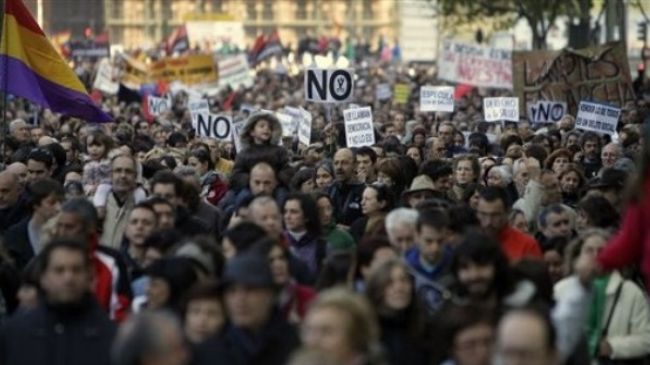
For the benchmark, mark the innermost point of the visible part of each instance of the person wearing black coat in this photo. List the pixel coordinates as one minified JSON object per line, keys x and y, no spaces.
{"x":68,"y":327}
{"x":259,"y":143}
{"x":257,"y":333}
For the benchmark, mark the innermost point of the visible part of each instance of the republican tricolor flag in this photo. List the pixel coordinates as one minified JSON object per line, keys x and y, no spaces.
{"x":31,"y":68}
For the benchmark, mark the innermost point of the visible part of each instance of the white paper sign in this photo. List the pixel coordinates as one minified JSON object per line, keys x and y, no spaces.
{"x":288,"y":124}
{"x":328,"y":85}
{"x":198,"y":106}
{"x":597,"y":117}
{"x":383,"y":92}
{"x":502,"y":108}
{"x":237,"y":128}
{"x":216,"y":126}
{"x":157,"y":105}
{"x":234,"y":72}
{"x":359,"y":130}
{"x":437,"y":99}
{"x":104,"y":79}
{"x":546,"y":111}
{"x":304,"y":128}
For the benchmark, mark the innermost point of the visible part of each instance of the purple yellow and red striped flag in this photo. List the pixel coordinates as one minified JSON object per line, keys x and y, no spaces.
{"x":31,"y":68}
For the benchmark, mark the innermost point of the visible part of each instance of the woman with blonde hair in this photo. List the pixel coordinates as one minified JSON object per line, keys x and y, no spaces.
{"x":343,"y":324}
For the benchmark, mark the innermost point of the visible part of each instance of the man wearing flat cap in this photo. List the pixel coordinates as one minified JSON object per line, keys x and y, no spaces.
{"x":257,"y":333}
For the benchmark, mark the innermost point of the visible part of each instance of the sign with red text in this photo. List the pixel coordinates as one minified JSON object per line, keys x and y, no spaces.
{"x":475,"y":65}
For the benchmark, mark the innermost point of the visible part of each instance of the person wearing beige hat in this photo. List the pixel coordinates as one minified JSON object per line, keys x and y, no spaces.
{"x":420,"y":190}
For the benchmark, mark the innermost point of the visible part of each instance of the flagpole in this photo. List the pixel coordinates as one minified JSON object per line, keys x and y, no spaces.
{"x":5,"y":126}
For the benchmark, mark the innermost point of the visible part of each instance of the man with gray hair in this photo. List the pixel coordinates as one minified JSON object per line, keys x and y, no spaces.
{"x":19,"y":129}
{"x":150,"y":338}
{"x":400,"y":226}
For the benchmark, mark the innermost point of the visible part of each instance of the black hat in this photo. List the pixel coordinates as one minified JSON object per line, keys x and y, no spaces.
{"x":248,"y":269}
{"x":609,"y":178}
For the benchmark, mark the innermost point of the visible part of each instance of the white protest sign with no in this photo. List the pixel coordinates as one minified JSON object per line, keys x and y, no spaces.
{"x":213,"y":126}
{"x":501,"y":108}
{"x":359,"y":130}
{"x":157,"y":105}
{"x":328,"y":85}
{"x":304,"y":128}
{"x":596,"y":117}
{"x":546,"y":111}
{"x":437,"y":99}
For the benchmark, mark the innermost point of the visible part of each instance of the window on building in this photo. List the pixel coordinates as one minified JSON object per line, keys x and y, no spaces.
{"x":267,"y":10}
{"x":368,"y":12}
{"x":301,"y":9}
{"x":251,"y":11}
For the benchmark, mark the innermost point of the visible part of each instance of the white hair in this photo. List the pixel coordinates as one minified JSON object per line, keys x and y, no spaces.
{"x":14,"y":124}
{"x":401,"y":216}
{"x":504,"y":171}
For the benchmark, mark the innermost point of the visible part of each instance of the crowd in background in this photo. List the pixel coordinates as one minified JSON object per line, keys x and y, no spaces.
{"x":450,"y":240}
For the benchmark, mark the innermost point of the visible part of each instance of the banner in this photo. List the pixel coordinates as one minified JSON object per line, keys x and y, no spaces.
{"x":234,"y":72}
{"x":597,"y":73}
{"x":189,"y":70}
{"x":597,"y":117}
{"x":437,"y":98}
{"x":215,"y":126}
{"x":104,"y":79}
{"x":401,"y":93}
{"x":359,"y":130}
{"x":475,"y":65}
{"x":328,"y":85}
{"x":383,"y":92}
{"x":501,"y":108}
{"x":546,"y":111}
{"x":87,"y":48}
{"x":134,"y":72}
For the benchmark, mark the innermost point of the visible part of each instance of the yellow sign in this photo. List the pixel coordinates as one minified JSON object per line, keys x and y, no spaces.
{"x":135,"y":73}
{"x":189,"y":70}
{"x":401,"y":93}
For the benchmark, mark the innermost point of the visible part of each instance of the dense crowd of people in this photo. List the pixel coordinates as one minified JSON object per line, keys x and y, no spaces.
{"x":449,"y":241}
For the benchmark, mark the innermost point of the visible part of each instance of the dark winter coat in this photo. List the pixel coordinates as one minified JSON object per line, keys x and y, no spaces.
{"x":251,"y":153}
{"x":272,"y":346}
{"x":46,"y":335}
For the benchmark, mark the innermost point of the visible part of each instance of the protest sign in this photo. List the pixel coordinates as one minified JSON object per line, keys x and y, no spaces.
{"x":437,"y":99}
{"x":189,"y":70}
{"x":383,"y":92}
{"x":401,"y":93}
{"x":501,"y":108}
{"x":304,"y":128}
{"x":198,"y":106}
{"x":88,"y":49}
{"x":597,"y":117}
{"x":546,"y":111}
{"x":328,"y":85}
{"x":134,"y":73}
{"x":104,"y":80}
{"x":215,"y":126}
{"x":237,"y":128}
{"x":359,"y":130}
{"x":288,"y":124}
{"x":597,"y":73}
{"x":156,"y":106}
{"x":234,"y":72}
{"x":475,"y":65}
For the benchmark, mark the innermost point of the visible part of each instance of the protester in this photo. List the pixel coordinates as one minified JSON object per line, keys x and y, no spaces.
{"x":444,"y":220}
{"x":67,"y":311}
